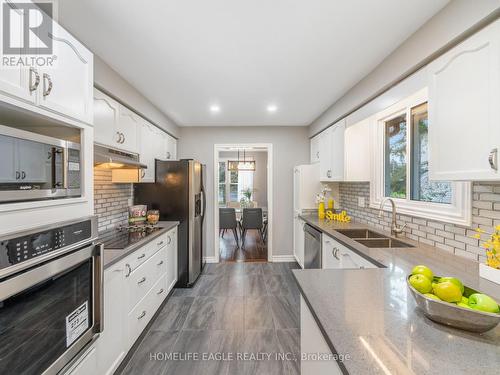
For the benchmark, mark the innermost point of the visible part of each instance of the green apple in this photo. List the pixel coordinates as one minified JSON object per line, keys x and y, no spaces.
{"x":432,"y":296}
{"x":464,"y":305}
{"x":448,"y":291}
{"x":482,"y":302}
{"x":423,"y":270}
{"x":465,"y":300}
{"x":454,"y":280}
{"x":421,"y":283}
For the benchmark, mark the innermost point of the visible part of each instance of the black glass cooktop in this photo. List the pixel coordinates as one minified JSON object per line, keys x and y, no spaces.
{"x":122,"y":238}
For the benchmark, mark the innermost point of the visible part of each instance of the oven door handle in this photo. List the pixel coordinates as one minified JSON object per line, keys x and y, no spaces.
{"x":98,"y":288}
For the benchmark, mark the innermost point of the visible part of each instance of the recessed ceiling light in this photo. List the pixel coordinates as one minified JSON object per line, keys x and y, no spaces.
{"x":214,"y":108}
{"x":272,"y":108}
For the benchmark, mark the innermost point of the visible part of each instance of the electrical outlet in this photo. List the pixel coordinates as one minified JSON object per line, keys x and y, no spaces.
{"x":361,"y":201}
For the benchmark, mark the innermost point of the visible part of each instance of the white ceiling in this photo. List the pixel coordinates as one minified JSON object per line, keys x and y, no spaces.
{"x":299,"y":55}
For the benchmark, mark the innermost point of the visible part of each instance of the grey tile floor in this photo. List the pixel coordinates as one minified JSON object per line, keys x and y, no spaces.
{"x":246,"y":312}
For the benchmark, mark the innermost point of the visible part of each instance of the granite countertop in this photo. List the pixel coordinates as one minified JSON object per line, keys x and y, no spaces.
{"x":111,"y":256}
{"x":371,"y":315}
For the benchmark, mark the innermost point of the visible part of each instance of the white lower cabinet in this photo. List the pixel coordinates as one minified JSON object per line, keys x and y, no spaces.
{"x":313,"y":343}
{"x":336,"y":255}
{"x":298,"y":240}
{"x":134,"y":289}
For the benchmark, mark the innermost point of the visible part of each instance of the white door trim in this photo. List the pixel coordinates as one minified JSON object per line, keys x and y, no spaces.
{"x":270,"y":161}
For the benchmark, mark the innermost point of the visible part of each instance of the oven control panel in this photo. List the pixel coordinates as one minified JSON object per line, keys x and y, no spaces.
{"x":20,"y":249}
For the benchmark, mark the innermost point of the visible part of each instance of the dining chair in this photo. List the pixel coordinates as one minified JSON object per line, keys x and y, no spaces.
{"x":227,"y":220}
{"x":251,"y":219}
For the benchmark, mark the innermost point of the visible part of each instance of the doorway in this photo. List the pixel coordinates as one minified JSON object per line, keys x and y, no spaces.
{"x":243,"y":201}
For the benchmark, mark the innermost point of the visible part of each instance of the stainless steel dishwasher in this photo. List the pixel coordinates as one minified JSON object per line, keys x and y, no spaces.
{"x":312,"y":250}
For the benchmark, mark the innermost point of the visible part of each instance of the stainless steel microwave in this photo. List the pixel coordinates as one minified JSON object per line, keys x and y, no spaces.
{"x":37,"y":167}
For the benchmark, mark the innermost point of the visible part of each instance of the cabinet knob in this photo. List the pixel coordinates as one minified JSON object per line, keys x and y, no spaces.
{"x":160,"y":291}
{"x":141,"y":280}
{"x":143,"y":173}
{"x":141,"y":256}
{"x":329,"y":174}
{"x":129,"y":270}
{"x":169,"y":240}
{"x":493,"y":159}
{"x":168,"y":155}
{"x":143,"y":314}
{"x":160,"y":263}
{"x":159,"y":243}
{"x":335,"y":253}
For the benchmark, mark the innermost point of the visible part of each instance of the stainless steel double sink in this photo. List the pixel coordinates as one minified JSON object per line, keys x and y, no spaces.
{"x":371,"y":239}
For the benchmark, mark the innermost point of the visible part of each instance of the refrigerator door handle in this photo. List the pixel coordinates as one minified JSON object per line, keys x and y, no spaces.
{"x":204,"y":204}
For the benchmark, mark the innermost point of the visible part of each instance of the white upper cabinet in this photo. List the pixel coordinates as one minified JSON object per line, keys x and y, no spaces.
{"x":63,"y":86}
{"x":171,"y":153}
{"x":114,"y":125}
{"x":128,"y":126}
{"x":106,"y":120}
{"x":66,"y":88}
{"x":147,"y":151}
{"x":315,"y":149}
{"x":464,"y":109}
{"x":357,"y":152}
{"x":331,"y":152}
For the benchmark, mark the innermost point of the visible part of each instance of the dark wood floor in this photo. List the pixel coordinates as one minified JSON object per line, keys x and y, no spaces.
{"x":233,"y":308}
{"x":254,"y":250}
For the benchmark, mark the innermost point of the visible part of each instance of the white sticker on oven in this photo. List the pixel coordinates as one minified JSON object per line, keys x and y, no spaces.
{"x":77,"y":323}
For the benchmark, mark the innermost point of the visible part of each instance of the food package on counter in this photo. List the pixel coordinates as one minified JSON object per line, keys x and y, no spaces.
{"x":137,"y":214}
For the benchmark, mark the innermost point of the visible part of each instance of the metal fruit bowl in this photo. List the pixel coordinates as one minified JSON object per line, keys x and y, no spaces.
{"x":452,"y":315}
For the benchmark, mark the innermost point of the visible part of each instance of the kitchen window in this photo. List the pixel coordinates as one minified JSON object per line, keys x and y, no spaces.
{"x":232,"y":183}
{"x":401,"y":166}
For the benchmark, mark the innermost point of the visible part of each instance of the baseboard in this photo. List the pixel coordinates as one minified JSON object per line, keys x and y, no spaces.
{"x":210,"y":259}
{"x":283,"y":258}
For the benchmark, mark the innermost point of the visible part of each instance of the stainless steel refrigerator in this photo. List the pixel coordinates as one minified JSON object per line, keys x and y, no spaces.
{"x":179,"y":195}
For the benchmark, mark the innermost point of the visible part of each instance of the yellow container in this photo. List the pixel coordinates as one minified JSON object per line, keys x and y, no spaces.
{"x":321,"y":210}
{"x":331,"y":203}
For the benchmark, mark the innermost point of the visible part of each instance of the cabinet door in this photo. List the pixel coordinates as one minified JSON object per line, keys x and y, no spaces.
{"x":14,"y":80}
{"x":325,"y":155}
{"x":66,"y":88}
{"x":105,"y":120}
{"x":337,"y":151}
{"x":112,"y":346}
{"x":171,"y":153}
{"x":298,"y":241}
{"x":31,"y":166}
{"x":147,"y":151}
{"x":315,"y":155}
{"x":8,"y":154}
{"x":128,"y":125}
{"x":161,"y":144}
{"x":464,"y":97}
{"x":171,"y":259}
{"x":357,"y":152}
{"x":330,"y":254}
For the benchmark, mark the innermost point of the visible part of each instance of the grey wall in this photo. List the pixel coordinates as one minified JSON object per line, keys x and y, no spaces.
{"x":450,"y":22}
{"x":109,"y":80}
{"x":290,"y":148}
{"x":259,"y":176}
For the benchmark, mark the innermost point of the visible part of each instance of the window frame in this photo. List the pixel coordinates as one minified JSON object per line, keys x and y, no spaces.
{"x":459,"y":211}
{"x":228,"y":183}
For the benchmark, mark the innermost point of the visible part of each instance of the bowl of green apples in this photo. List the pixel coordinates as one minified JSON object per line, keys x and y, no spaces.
{"x":445,"y":300}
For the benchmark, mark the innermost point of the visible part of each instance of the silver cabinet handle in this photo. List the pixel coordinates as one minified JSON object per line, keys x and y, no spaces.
{"x":18,"y":175}
{"x":129,"y":270}
{"x":23,"y":175}
{"x":143,"y":173}
{"x":123,"y":139}
{"x":160,"y":263}
{"x":160,"y":291}
{"x":168,"y":155}
{"x":493,"y":158}
{"x":160,"y":243}
{"x":143,"y":314}
{"x":48,"y":90}
{"x":119,"y":137}
{"x":335,"y":253}
{"x":34,"y":85}
{"x":317,"y":154}
{"x":141,"y":256}
{"x":169,"y":240}
{"x":329,"y":174}
{"x":141,"y":280}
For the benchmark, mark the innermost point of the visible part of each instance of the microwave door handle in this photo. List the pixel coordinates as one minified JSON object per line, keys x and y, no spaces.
{"x":53,"y":167}
{"x":65,"y":167}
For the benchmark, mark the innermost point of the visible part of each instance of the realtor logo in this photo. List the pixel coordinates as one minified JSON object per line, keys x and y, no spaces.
{"x":27,"y":28}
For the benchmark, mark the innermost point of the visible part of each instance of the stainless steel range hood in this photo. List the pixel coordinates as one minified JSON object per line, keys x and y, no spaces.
{"x":108,"y":158}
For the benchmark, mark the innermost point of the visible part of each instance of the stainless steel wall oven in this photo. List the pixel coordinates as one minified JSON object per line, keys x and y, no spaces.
{"x":37,"y":167}
{"x":50,"y":296}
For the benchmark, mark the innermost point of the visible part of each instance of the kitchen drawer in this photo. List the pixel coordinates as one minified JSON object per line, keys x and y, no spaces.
{"x":161,"y":241}
{"x":140,"y":316}
{"x":141,"y":255}
{"x":337,"y":255}
{"x":143,"y":278}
